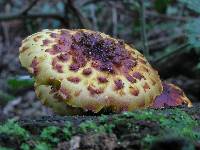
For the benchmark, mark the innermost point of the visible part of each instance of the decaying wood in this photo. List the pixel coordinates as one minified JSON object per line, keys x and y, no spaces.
{"x":76,"y":120}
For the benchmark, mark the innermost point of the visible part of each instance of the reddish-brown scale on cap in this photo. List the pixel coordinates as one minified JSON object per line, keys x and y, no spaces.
{"x":134,"y":91}
{"x":59,"y":48}
{"x":54,"y":35}
{"x":34,"y":66}
{"x":128,"y":63}
{"x":63,"y":45}
{"x":138,"y":75}
{"x":146,"y":87}
{"x":46,"y":42}
{"x":37,"y":38}
{"x":142,"y":60}
{"x":64,"y":93}
{"x":131,"y":79}
{"x":79,"y":59}
{"x":74,"y":79}
{"x":24,"y":48}
{"x":65,"y":39}
{"x":94,"y":90}
{"x":118,"y":84}
{"x":74,"y":67}
{"x":87,"y":71}
{"x":102,"y":79}
{"x":56,"y":49}
{"x":56,"y":66}
{"x":51,"y":51}
{"x":63,"y":57}
{"x":95,"y":64}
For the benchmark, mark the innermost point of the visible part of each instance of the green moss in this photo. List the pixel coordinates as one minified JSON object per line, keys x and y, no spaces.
{"x":42,"y":146}
{"x":103,"y":118}
{"x":148,"y":140}
{"x":49,"y":134}
{"x":166,"y":123}
{"x":5,"y":148}
{"x":173,"y":122}
{"x":25,"y":146}
{"x":86,"y":126}
{"x":91,"y":126}
{"x":11,"y":128}
{"x":68,"y":130}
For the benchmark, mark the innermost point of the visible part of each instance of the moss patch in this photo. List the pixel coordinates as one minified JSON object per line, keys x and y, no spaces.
{"x":139,"y":129}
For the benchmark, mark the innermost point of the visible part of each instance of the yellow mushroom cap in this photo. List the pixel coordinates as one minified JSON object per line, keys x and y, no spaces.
{"x":81,"y":70}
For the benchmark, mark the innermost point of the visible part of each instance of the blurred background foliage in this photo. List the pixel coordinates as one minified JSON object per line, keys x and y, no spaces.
{"x":166,"y":31}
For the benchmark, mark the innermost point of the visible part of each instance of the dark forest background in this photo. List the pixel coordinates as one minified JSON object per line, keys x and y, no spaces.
{"x":167,"y":32}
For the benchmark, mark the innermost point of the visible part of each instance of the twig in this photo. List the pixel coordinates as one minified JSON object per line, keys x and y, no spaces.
{"x":7,"y":17}
{"x":32,"y":16}
{"x":6,"y":27}
{"x":177,"y":50}
{"x":164,"y":40}
{"x":163,"y":16}
{"x":143,"y":23}
{"x":114,"y":20}
{"x":148,"y":13}
{"x":25,"y":15}
{"x":93,"y":17}
{"x":29,"y":7}
{"x":98,"y":1}
{"x":5,"y":30}
{"x":83,"y":20}
{"x":66,"y":14}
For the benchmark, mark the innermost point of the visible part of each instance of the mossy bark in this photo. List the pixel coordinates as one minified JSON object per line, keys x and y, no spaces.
{"x":175,"y":128}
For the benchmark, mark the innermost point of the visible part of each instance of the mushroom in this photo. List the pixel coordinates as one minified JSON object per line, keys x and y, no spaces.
{"x":81,"y":70}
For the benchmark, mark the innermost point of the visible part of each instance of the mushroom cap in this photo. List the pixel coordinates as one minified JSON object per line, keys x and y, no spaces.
{"x":80,"y":70}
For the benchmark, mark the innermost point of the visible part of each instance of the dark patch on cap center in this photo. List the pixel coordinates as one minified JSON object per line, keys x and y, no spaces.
{"x":108,"y":53}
